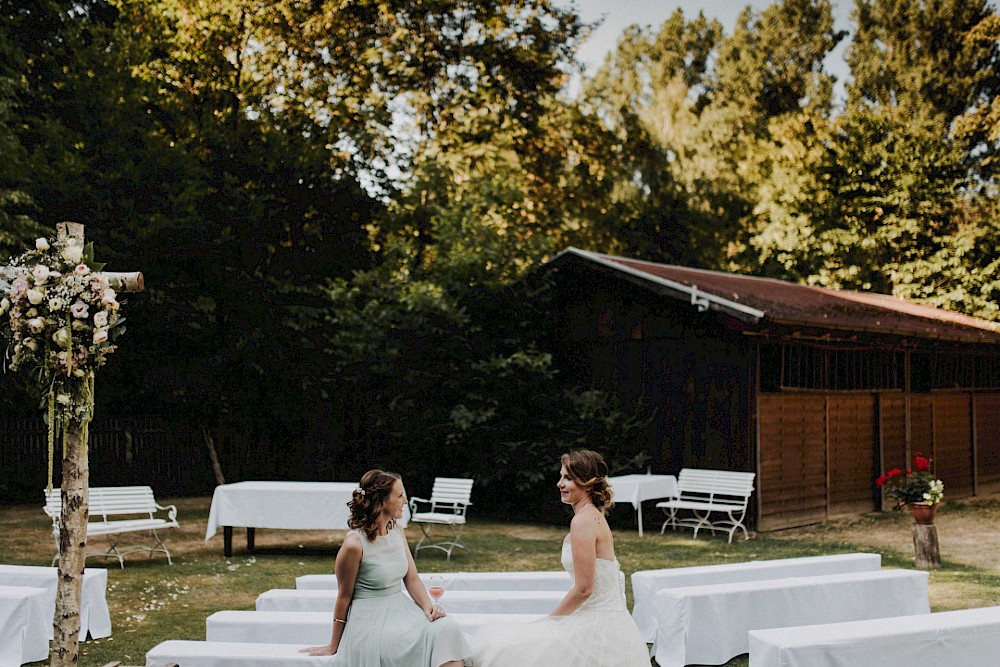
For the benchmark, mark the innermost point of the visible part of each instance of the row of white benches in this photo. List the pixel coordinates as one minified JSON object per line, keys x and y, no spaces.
{"x":700,"y":615}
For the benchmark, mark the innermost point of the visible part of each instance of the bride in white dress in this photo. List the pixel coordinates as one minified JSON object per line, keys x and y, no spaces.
{"x":591,"y":626}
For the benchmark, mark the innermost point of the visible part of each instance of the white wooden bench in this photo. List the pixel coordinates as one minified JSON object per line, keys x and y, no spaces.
{"x":449,"y":500}
{"x":109,"y":506}
{"x":708,"y":492}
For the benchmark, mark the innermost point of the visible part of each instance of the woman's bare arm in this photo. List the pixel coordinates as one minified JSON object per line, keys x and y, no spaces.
{"x":348,"y":564}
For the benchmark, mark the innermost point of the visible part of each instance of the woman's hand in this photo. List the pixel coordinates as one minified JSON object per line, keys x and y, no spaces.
{"x":319,"y":650}
{"x":435,"y":612}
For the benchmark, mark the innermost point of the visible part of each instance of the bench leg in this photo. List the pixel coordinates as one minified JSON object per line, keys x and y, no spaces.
{"x":671,"y":519}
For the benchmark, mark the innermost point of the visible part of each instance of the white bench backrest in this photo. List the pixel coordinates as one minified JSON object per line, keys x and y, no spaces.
{"x":451,"y":491}
{"x":714,"y":483}
{"x":106,"y":501}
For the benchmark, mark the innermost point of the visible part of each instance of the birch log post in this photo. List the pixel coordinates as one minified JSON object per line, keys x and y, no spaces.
{"x":927,"y":555}
{"x":74,"y":491}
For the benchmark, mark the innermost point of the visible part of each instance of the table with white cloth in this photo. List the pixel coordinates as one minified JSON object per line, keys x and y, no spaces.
{"x":709,"y":625}
{"x":458,"y":602}
{"x":637,"y":488}
{"x":285,"y":505}
{"x":966,"y":638}
{"x":25,"y":626}
{"x":556,"y":580}
{"x":188,"y":653}
{"x":95,"y":618}
{"x":315,"y":627}
{"x":645,"y":583}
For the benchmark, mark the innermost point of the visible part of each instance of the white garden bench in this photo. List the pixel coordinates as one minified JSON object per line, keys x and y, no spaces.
{"x":108,"y":506}
{"x":708,"y":492}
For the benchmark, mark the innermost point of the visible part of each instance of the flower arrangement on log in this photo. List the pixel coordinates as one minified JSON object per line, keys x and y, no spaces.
{"x":916,"y":486}
{"x":61,"y":315}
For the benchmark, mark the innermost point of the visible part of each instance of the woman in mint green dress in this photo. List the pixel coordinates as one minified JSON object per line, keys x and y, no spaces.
{"x":374,"y":623}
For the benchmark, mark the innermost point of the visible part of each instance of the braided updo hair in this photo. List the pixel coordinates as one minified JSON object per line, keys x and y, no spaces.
{"x":589,"y":471}
{"x":369,"y":498}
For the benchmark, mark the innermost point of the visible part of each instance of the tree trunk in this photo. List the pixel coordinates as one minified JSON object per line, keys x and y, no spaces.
{"x":214,"y":457}
{"x":925,"y":547}
{"x":72,"y":546}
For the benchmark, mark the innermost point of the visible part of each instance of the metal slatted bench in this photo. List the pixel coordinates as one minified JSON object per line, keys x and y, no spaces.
{"x":108,"y":506}
{"x":708,"y":492}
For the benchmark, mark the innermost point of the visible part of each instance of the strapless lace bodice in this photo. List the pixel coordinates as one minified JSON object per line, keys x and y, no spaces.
{"x":607,"y":593}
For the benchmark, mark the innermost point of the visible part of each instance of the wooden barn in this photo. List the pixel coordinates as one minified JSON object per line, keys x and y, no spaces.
{"x":815,"y":390}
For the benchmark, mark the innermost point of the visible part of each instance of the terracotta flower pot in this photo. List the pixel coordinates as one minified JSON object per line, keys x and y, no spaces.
{"x":923,"y":514}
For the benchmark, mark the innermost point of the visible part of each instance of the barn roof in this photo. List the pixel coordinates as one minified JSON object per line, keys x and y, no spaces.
{"x":765,"y":300}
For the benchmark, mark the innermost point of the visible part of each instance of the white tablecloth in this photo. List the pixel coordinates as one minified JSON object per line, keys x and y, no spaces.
{"x":635,"y":489}
{"x":25,"y":626}
{"x":291,"y":505}
{"x":709,"y":625}
{"x":457,"y":602}
{"x":469,"y":581}
{"x":313,"y":627}
{"x":225,"y":654}
{"x":94,"y":615}
{"x":966,"y":638}
{"x":646,"y":583}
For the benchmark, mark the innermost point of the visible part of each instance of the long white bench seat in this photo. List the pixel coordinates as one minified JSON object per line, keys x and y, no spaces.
{"x":645,"y":583}
{"x":455,"y":602}
{"x":189,"y":653}
{"x":95,"y":619}
{"x":313,"y":627}
{"x":556,"y":580}
{"x":709,"y":625}
{"x":116,"y":511}
{"x":966,"y":638}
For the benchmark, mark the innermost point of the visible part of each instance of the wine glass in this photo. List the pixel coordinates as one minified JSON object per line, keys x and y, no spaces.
{"x":435,"y":586}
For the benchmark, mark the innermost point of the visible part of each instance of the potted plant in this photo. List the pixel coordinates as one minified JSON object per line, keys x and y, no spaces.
{"x":916,"y":489}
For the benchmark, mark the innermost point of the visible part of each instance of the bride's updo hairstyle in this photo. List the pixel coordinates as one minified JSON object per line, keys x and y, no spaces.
{"x":369,"y":498}
{"x":589,"y":471}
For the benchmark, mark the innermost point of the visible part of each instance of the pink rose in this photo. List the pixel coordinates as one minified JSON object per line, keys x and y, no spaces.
{"x":81,"y":269}
{"x":100,"y":336}
{"x":79,"y":310}
{"x":98,"y":282}
{"x":109,"y":303}
{"x":18,"y":288}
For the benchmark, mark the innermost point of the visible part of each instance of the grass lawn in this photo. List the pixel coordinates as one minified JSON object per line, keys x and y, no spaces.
{"x":152,"y":601}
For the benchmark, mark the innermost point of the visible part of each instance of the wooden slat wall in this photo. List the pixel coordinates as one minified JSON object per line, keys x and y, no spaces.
{"x":850,"y":434}
{"x":987,"y":416}
{"x":892,"y":431}
{"x":953,"y":443}
{"x":792,"y":476}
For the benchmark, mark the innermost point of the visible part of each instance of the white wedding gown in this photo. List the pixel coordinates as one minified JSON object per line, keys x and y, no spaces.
{"x":601,"y":633}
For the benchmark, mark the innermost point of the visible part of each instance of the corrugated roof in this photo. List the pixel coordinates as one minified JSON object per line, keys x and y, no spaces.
{"x":762,"y":300}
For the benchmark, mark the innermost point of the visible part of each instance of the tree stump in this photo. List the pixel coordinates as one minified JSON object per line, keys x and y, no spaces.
{"x":927,"y":556}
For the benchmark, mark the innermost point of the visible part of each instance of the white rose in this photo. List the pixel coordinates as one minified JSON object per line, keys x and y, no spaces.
{"x":101,"y":318}
{"x":109,"y":304}
{"x":62,"y":337}
{"x":41,"y":244}
{"x":98,"y":282}
{"x":4,"y":305}
{"x":35,"y":296}
{"x":63,"y":399}
{"x":100,"y":336}
{"x":36,"y":325}
{"x":40,"y":273}
{"x":31,"y":344}
{"x":72,"y":254}
{"x":109,"y":293}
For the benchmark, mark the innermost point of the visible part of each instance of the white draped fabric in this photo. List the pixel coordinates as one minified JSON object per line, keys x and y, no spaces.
{"x":970,"y":638}
{"x":313,"y":627}
{"x":646,"y":583}
{"x":289,"y":505}
{"x":469,"y":581}
{"x":225,"y":654}
{"x":25,"y":625}
{"x":709,"y":625}
{"x":458,"y":602}
{"x":95,"y":618}
{"x":635,"y":489}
